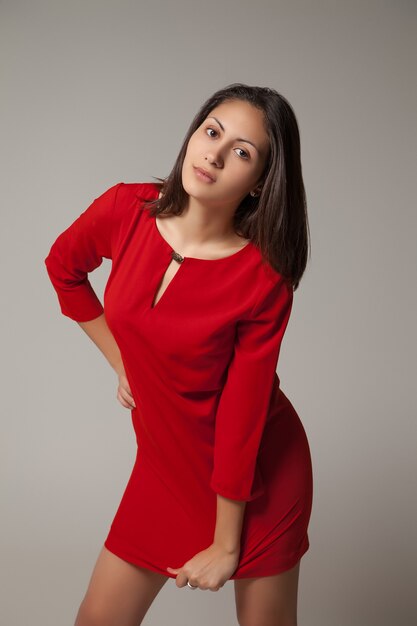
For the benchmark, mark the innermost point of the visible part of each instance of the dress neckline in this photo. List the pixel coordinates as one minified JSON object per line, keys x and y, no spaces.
{"x":196,"y":259}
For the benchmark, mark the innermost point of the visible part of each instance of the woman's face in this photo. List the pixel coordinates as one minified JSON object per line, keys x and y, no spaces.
{"x":233,"y":147}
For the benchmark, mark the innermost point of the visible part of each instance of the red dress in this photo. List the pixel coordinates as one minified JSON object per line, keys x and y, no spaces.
{"x":210,"y":415}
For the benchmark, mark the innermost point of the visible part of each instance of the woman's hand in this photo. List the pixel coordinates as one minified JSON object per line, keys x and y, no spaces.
{"x":208,"y":569}
{"x":124,"y":394}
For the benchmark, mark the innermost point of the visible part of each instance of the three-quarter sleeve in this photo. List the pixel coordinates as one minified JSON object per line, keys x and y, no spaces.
{"x":244,"y":401}
{"x":79,"y":250}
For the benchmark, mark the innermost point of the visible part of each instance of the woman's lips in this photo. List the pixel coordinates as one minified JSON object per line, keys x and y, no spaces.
{"x":202,"y":176}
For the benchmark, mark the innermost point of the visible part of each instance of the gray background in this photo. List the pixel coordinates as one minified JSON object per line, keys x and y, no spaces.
{"x":94,"y":93}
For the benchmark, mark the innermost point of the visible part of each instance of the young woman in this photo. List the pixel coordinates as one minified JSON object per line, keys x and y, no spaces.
{"x":204,"y":265}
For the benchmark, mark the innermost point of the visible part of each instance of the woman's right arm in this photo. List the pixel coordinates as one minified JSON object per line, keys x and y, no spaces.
{"x":99,"y":332}
{"x":77,"y":251}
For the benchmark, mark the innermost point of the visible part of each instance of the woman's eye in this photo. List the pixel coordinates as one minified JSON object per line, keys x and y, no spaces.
{"x":211,"y":129}
{"x":245,"y":154}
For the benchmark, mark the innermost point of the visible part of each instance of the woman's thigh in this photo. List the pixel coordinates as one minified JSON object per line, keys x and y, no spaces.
{"x":268,"y":600}
{"x":119,"y":593}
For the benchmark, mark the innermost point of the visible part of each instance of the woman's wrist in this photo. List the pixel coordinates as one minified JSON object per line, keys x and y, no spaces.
{"x":229,"y":548}
{"x":229,"y":523}
{"x":119,"y":367}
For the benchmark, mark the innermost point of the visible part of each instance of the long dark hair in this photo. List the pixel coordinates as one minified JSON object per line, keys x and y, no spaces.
{"x":275,"y":221}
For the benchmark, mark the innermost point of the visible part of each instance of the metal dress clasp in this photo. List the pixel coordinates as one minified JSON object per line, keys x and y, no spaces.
{"x":177,"y":257}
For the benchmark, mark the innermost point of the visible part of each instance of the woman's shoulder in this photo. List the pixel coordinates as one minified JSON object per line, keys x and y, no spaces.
{"x":145,"y":190}
{"x":266,"y":274}
{"x":133,"y":190}
{"x":270,"y":284}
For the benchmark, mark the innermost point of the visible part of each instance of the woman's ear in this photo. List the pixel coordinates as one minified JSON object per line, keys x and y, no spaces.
{"x":256,"y":192}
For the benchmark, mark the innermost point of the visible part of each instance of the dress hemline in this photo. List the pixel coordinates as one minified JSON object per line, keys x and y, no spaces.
{"x":286,"y":564}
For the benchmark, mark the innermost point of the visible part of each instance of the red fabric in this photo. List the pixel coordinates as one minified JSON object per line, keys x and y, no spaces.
{"x":210,"y":415}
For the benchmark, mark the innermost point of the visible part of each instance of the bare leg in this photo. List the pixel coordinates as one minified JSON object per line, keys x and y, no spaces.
{"x":119,"y":593}
{"x":268,"y":600}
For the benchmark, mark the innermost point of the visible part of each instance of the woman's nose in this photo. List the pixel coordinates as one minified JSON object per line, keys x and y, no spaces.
{"x":214,"y":157}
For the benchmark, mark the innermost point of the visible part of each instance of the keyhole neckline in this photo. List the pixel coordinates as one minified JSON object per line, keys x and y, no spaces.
{"x":195,"y":259}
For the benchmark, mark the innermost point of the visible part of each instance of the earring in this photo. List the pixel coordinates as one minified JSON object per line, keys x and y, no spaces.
{"x":253,"y":194}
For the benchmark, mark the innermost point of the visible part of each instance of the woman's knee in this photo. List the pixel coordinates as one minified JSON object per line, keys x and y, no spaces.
{"x":93,"y":613}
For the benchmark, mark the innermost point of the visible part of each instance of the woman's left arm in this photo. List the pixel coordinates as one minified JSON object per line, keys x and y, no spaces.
{"x":229,"y":522}
{"x":240,"y":420}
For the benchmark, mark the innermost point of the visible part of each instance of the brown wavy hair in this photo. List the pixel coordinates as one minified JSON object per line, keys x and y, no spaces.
{"x":275,"y":221}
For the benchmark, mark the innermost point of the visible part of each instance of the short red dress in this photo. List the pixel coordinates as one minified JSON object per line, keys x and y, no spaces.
{"x":210,"y":415}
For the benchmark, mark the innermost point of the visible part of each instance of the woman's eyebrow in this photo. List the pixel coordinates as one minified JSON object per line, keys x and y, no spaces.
{"x":238,"y":138}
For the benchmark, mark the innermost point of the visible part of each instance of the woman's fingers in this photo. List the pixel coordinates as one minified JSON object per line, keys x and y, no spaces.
{"x":124,"y":394}
{"x":125,"y":399}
